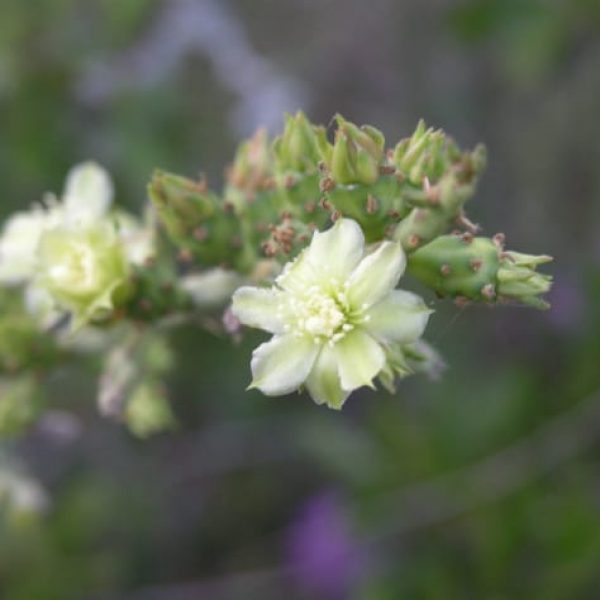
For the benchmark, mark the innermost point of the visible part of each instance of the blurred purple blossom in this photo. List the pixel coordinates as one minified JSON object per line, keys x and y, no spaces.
{"x":567,"y":304}
{"x":324,"y":557}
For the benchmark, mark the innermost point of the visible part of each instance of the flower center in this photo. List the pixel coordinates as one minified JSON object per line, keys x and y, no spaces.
{"x":76,"y":271}
{"x":320,"y":314}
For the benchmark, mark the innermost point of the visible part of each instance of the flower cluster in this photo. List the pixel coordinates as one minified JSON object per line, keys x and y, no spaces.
{"x":333,"y":312}
{"x":326,"y":224}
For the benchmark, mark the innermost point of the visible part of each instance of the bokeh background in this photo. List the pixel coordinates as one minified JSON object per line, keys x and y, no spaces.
{"x":484,"y":484}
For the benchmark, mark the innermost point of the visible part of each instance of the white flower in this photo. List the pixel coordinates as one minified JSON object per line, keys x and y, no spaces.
{"x":73,"y":254}
{"x":87,"y":198}
{"x":84,"y":269}
{"x":18,"y":244}
{"x":332,"y":311}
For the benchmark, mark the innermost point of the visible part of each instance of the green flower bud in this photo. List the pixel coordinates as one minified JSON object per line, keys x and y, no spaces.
{"x":518,"y":279}
{"x":478,"y":269}
{"x":253,"y":163}
{"x":198,"y":222}
{"x":148,"y":411}
{"x":357,"y":153}
{"x":182,"y":204}
{"x":84,"y":270}
{"x":430,"y":154}
{"x":297,"y":148}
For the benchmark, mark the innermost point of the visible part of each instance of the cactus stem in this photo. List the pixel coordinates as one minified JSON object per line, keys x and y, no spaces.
{"x":389,"y":231}
{"x":488,"y":291}
{"x":372,"y":204}
{"x":421,"y":215}
{"x":325,"y":204}
{"x":268,"y":249}
{"x":432,"y":192}
{"x":476,"y":264}
{"x":413,"y":240}
{"x":445,"y":270}
{"x":200,"y":233}
{"x":326,"y":184}
{"x":387,"y":170}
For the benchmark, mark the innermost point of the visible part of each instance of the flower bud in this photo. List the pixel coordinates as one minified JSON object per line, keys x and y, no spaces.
{"x":148,"y":411}
{"x":357,"y":153}
{"x":478,"y":269}
{"x":518,"y":279}
{"x":84,"y":270}
{"x":181,"y":203}
{"x":297,"y":149}
{"x":252,"y":165}
{"x":430,"y":154}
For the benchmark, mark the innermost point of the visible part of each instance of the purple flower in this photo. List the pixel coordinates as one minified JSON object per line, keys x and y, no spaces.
{"x":322,"y":554}
{"x":568,"y":304}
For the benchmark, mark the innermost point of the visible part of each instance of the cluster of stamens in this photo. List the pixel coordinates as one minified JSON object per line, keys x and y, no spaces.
{"x":321,"y":314}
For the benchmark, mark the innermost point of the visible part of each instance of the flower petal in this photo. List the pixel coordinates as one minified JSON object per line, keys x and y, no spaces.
{"x":337,"y":251}
{"x":88,"y":193}
{"x":376,"y":275}
{"x":323,"y":383}
{"x":281,"y":365}
{"x":400,"y":317}
{"x":332,"y":255}
{"x":257,"y":307}
{"x":18,"y":243}
{"x":359,"y":358}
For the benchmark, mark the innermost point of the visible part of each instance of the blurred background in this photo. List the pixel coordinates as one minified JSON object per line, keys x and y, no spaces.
{"x":484,"y":484}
